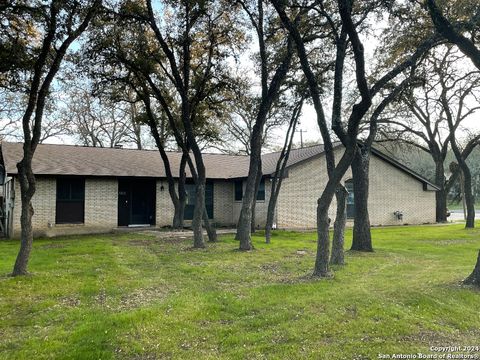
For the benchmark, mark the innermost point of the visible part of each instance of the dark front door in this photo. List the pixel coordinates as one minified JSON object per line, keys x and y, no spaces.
{"x":350,"y":199}
{"x":136,"y":202}
{"x":191,"y":198}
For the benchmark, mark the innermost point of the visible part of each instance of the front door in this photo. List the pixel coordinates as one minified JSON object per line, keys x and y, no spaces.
{"x":136,"y":202}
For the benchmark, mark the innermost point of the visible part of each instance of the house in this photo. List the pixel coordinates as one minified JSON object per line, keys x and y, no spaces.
{"x":86,"y":190}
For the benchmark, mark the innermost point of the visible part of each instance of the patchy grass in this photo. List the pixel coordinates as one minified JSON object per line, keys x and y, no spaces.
{"x":135,"y":296}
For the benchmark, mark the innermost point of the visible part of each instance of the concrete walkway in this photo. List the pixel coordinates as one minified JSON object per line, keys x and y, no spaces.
{"x":169,"y":233}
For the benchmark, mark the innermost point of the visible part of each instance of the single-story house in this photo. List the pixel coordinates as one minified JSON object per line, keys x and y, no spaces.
{"x":87,"y":189}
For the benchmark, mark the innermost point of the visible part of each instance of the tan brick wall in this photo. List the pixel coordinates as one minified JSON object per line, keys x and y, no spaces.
{"x":101,"y":207}
{"x":43,"y":205}
{"x":390,"y":190}
{"x":101,"y":203}
{"x":164,"y":209}
{"x":222,"y":203}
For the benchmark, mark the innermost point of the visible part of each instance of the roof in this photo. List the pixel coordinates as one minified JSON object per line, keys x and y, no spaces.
{"x":109,"y":162}
{"x":269,"y":161}
{"x":75,"y":160}
{"x":299,"y":155}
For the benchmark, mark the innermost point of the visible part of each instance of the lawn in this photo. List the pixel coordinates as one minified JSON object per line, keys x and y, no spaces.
{"x":137,"y":296}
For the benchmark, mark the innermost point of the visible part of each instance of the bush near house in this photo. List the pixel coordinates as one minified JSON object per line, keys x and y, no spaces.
{"x":142,"y":296}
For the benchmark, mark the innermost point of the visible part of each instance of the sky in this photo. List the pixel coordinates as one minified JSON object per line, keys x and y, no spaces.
{"x":308,"y":124}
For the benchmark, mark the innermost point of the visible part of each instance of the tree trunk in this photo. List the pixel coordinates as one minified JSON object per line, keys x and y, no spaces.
{"x":337,"y":256}
{"x":271,"y":210}
{"x":211,"y":230}
{"x":280,"y":170}
{"x":180,"y":199}
{"x":269,"y":94}
{"x":245,"y":219}
{"x":323,"y":222}
{"x":179,"y":204}
{"x":441,"y":205}
{"x":322,"y":268}
{"x":198,"y":212}
{"x":27,"y":189}
{"x":474,"y":278}
{"x":440,"y":195}
{"x":469,"y":198}
{"x":362,"y":238}
{"x":253,"y":228}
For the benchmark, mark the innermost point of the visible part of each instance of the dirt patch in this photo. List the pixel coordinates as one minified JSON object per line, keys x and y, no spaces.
{"x":51,"y":246}
{"x":132,"y":300}
{"x":141,"y":297}
{"x":270,"y":267}
{"x":101,"y":298}
{"x":69,"y":301}
{"x":440,"y":339}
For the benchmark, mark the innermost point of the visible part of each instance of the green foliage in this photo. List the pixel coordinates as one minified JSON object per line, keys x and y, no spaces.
{"x":138,"y":296}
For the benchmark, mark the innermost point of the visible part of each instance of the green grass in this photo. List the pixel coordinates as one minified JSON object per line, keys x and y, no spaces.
{"x":134,"y":296}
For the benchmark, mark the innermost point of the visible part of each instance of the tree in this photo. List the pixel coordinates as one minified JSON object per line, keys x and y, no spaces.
{"x":474,"y":277}
{"x":348,"y":131}
{"x":274,"y":62}
{"x":14,"y":101}
{"x":453,"y":34}
{"x":180,"y":76}
{"x":362,"y":238}
{"x":101,"y":120}
{"x":449,"y":90}
{"x":452,"y":31}
{"x":235,"y":138}
{"x":195,"y":66}
{"x":53,"y":27}
{"x":116,"y":61}
{"x":282,"y":162}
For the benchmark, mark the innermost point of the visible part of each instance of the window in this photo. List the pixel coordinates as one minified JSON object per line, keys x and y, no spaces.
{"x":238,"y":190}
{"x":350,"y":199}
{"x":261,"y":190}
{"x":70,"y":207}
{"x":191,"y":190}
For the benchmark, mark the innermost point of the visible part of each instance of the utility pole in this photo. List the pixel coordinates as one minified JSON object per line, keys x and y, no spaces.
{"x":301,"y":131}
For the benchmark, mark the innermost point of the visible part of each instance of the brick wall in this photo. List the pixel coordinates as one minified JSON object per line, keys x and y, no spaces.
{"x":164,"y":209}
{"x":101,"y":203}
{"x":222,"y":203}
{"x":390,"y":190}
{"x":100,"y":208}
{"x":43,"y":204}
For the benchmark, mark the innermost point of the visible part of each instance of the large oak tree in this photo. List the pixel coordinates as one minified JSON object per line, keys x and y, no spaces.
{"x":49,"y":30}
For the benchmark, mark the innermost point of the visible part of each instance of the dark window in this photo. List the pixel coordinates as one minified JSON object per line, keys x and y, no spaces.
{"x":70,"y":201}
{"x":350,"y":199}
{"x":238,"y":190}
{"x":190,"y":189}
{"x":261,"y":190}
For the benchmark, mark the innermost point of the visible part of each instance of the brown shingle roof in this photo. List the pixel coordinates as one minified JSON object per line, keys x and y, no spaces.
{"x":93,"y":161}
{"x":52,"y":159}
{"x":269,"y":161}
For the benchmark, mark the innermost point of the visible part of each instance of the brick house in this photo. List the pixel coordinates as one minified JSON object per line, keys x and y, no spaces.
{"x":87,"y":190}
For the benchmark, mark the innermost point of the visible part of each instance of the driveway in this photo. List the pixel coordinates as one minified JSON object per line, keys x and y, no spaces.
{"x":457,"y":215}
